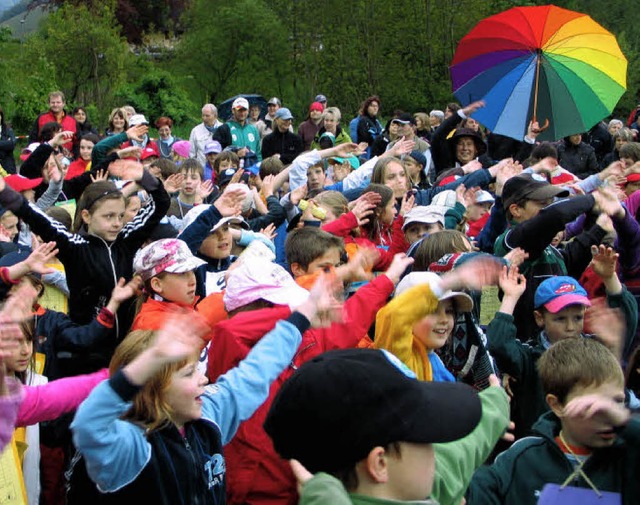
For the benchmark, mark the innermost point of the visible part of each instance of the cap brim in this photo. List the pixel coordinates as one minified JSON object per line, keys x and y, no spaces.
{"x":424,"y":220}
{"x":448,"y":411}
{"x":185,"y":266}
{"x":547,"y":191}
{"x":292,"y":296}
{"x":230,"y":220}
{"x":559,"y":303}
{"x":464,"y":303}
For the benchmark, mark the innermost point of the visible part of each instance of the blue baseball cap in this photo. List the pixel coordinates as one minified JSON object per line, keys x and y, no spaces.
{"x":559,"y":292}
{"x":283,"y":113}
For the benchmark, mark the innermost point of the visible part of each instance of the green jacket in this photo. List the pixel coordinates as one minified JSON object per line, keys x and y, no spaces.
{"x":455,"y":462}
{"x":519,"y":474}
{"x":519,"y":360}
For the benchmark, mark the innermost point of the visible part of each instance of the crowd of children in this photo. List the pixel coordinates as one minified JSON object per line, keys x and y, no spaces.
{"x":314,"y":328}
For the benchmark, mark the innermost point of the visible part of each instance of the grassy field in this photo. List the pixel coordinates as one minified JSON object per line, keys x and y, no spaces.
{"x":490,"y":304}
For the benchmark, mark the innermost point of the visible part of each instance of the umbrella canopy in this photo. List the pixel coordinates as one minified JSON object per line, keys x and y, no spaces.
{"x":539,"y":62}
{"x":224,"y":109}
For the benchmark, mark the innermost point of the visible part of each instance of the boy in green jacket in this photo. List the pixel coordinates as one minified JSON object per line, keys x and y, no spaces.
{"x":586,"y":447}
{"x":560,"y":304}
{"x":382,"y":436}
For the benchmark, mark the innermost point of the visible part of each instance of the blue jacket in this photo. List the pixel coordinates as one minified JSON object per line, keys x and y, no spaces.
{"x":128,"y":464}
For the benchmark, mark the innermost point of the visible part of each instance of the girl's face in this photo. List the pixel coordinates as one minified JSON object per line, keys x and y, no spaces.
{"x":373,"y":108}
{"x":413,"y":167}
{"x":80,"y":116}
{"x":164,"y":132}
{"x":393,"y":130}
{"x":218,"y":244}
{"x":191,"y":183}
{"x":20,"y":357}
{"x":254,"y":113}
{"x":224,"y":165}
{"x":107,"y":219}
{"x":177,"y":288}
{"x":473,"y":124}
{"x":620,"y":141}
{"x":396,"y":178}
{"x":86,"y":147}
{"x":132,"y":209}
{"x":434,"y":330}
{"x":118,"y":122}
{"x":184,"y":392}
{"x":477,"y":210}
{"x":389,"y":212}
{"x":330,"y":123}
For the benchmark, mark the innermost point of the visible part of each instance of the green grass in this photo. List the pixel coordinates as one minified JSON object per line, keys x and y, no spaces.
{"x":489,"y":305}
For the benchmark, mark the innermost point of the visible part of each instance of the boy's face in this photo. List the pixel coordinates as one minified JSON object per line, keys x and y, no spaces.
{"x":315,"y":177}
{"x":225,"y":164}
{"x":330,"y":259}
{"x":434,"y":330}
{"x":218,"y":244}
{"x":567,"y":323}
{"x":411,"y":473}
{"x":415,"y":231}
{"x":191,"y":182}
{"x":595,"y":432}
{"x":477,"y":210}
{"x":530,"y":209}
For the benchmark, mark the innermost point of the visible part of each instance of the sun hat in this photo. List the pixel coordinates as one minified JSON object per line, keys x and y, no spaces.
{"x":167,"y":255}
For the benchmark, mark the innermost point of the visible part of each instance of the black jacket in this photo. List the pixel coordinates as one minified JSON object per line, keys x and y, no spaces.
{"x":580,"y":160}
{"x":288,"y":145}
{"x":7,"y":145}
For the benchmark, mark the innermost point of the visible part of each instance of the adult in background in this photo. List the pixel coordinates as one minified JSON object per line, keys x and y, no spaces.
{"x":436,"y":117}
{"x":55,"y":113}
{"x":309,"y":128}
{"x":322,"y":99}
{"x":407,"y":128}
{"x":265,"y":126}
{"x":332,"y":117}
{"x":600,"y":139}
{"x":281,"y":140}
{"x":202,"y":134}
{"x":166,"y":139}
{"x":7,"y":145}
{"x":84,"y":126}
{"x":239,"y":133}
{"x":577,"y":156}
{"x":621,"y":136}
{"x":423,"y":126}
{"x":118,"y":122}
{"x":369,"y":128}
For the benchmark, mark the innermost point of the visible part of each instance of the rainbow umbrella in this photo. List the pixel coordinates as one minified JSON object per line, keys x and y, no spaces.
{"x":543,"y":63}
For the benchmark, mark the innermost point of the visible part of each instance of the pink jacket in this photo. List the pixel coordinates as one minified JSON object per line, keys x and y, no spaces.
{"x":9,"y":405}
{"x":50,"y":401}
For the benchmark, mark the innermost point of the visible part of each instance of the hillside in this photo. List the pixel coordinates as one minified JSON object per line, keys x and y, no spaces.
{"x":31,"y":21}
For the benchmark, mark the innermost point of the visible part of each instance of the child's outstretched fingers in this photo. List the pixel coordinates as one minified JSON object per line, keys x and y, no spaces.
{"x":398,"y":266}
{"x":179,"y":338}
{"x":301,"y":473}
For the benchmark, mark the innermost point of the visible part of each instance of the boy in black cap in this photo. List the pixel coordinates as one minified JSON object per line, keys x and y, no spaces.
{"x":534,"y":221}
{"x":362,"y":417}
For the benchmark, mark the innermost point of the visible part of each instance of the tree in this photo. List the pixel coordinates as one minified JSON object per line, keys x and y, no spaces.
{"x":240,"y":46}
{"x":86,"y":50}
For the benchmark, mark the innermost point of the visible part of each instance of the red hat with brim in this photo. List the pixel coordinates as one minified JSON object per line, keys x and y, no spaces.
{"x":21,"y":183}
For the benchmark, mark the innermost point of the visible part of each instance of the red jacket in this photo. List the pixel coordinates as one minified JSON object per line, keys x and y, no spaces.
{"x":255,"y":473}
{"x":394,"y":236}
{"x":68,"y":124}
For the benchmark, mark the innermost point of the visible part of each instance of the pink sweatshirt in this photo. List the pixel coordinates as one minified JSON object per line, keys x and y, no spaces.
{"x":50,"y":401}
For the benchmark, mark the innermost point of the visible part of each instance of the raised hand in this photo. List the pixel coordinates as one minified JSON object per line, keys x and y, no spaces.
{"x":128,"y":170}
{"x":298,"y":194}
{"x":173,"y":183}
{"x":229,"y":203}
{"x":324,"y":305}
{"x":512,"y":282}
{"x":130,"y":152}
{"x":364,"y":207}
{"x":472,"y":107}
{"x":473,"y":274}
{"x":125,"y":290}
{"x":607,"y":201}
{"x":41,"y":255}
{"x":398,"y":266}
{"x":267,"y":186}
{"x":516,"y":256}
{"x":407,"y":204}
{"x":359,"y":268}
{"x":205,"y":189}
{"x":101,"y":175}
{"x":61,"y":138}
{"x":402,"y":146}
{"x":607,"y":324}
{"x":598,"y":407}
{"x":137,"y":132}
{"x":269,"y":231}
{"x":237,"y":177}
{"x":472,"y":166}
{"x":604,"y":261}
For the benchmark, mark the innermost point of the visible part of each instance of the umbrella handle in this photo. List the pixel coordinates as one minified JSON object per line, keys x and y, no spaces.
{"x":541,"y":128}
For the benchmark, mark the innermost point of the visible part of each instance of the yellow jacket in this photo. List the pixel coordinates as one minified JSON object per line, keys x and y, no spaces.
{"x":394,"y":328}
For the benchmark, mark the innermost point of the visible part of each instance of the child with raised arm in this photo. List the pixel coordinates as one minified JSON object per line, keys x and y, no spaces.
{"x":585,"y":448}
{"x":422,"y":315}
{"x":155,"y":429}
{"x":560,"y":306}
{"x":95,"y":260}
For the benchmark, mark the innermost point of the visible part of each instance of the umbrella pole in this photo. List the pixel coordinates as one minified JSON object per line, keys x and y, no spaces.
{"x":535,"y":95}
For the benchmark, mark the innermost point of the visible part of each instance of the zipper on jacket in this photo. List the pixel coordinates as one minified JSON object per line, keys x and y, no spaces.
{"x":292,"y":364}
{"x":115,"y":281}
